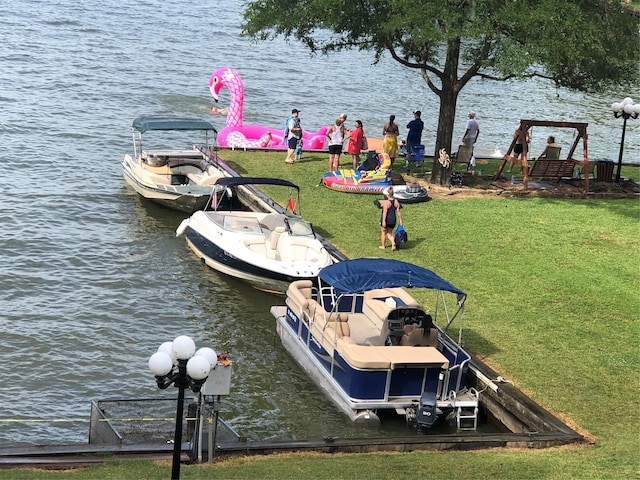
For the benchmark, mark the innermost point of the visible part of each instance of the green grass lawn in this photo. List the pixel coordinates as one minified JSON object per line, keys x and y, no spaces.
{"x":554,"y":306}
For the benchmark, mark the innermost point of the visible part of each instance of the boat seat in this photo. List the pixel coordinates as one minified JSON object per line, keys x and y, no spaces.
{"x":293,"y":249}
{"x":275,"y":236}
{"x":378,"y":303}
{"x":299,"y":296}
{"x":257,"y":245}
{"x":360,"y":356}
{"x":158,"y":170}
{"x":382,"y":357}
{"x":202,"y":179}
{"x":329,"y":327}
{"x":340,"y":323}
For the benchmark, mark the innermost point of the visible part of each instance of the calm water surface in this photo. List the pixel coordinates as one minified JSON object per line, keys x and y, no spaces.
{"x":92,"y":279}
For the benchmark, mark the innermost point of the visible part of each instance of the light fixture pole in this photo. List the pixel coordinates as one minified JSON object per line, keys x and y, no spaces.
{"x":625,"y":109}
{"x":179,"y":363}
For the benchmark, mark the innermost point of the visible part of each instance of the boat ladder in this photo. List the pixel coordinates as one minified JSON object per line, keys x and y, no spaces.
{"x":465,"y":407}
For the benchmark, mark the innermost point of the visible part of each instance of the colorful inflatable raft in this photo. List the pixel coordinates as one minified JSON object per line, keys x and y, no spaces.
{"x":361,"y":180}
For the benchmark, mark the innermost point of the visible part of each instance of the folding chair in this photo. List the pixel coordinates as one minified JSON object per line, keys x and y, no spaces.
{"x":464,"y":155}
{"x":415,"y":160}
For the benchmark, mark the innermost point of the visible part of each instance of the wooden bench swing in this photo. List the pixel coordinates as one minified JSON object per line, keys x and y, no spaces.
{"x":548,"y":167}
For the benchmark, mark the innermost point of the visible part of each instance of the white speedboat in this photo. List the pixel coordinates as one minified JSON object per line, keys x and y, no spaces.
{"x":181,"y":179}
{"x":269,"y":250}
{"x":370,"y":346}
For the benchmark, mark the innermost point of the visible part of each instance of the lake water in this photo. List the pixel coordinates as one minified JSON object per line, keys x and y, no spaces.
{"x":92,"y":279}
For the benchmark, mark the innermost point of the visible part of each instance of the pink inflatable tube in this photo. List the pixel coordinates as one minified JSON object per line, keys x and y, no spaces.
{"x":237,"y":135}
{"x":256,"y":136}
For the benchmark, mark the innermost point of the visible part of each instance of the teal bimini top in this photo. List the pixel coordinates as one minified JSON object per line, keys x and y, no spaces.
{"x":147,"y":123}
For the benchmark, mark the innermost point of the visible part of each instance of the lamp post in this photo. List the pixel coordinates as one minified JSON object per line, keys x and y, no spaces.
{"x":625,"y":109}
{"x":179,"y":363}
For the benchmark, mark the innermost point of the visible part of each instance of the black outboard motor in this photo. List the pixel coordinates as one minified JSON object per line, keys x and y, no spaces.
{"x":426,"y":415}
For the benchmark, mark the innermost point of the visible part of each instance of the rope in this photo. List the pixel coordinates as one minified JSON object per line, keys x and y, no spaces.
{"x":87,"y":420}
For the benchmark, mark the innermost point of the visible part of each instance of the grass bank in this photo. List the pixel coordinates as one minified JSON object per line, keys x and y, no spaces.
{"x":553,"y":306}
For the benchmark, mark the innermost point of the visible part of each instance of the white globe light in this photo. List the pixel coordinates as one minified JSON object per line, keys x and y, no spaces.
{"x":627,"y":100}
{"x":160,"y":364}
{"x":198,"y":367}
{"x":629,"y":108}
{"x":209,"y":354}
{"x":183,"y":347}
{"x":167,"y":347}
{"x":636,"y":108}
{"x":616,"y":107}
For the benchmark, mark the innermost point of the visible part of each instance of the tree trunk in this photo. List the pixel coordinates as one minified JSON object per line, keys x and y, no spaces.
{"x":440,"y":174}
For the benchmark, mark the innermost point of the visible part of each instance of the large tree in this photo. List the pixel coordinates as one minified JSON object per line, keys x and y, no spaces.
{"x":580,"y":44}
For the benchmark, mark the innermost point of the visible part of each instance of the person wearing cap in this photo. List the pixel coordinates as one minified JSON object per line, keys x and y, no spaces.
{"x":470,"y":136}
{"x":294,"y":134}
{"x":415,"y":126}
{"x":473,"y":130}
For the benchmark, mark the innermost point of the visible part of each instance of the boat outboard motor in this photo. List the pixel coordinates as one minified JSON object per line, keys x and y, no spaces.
{"x":427,"y":410}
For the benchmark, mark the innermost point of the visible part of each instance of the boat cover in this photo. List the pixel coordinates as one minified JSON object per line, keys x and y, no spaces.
{"x":144,"y":124}
{"x":362,"y":274}
{"x":233,"y":181}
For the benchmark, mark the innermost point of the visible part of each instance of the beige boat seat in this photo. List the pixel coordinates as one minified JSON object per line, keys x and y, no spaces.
{"x":202,"y":179}
{"x":296,"y":249}
{"x":328,"y":328}
{"x":275,"y":236}
{"x":299,"y":296}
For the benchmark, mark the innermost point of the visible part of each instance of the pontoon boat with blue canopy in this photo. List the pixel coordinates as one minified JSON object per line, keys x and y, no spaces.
{"x":370,"y":346}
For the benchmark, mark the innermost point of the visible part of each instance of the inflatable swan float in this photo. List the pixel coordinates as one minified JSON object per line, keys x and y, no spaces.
{"x":237,"y":135}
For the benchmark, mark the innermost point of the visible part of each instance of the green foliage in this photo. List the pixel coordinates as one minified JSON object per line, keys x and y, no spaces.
{"x":584,"y":45}
{"x":579,"y":44}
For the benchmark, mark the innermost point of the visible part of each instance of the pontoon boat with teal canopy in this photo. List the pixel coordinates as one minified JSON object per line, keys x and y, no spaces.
{"x":180,"y":178}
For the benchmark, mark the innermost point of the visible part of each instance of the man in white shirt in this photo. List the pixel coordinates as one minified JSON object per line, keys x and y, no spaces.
{"x":473,"y":130}
{"x":471,"y":136}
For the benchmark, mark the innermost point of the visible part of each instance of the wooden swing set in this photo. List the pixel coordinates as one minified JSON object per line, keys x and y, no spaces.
{"x":544,"y":167}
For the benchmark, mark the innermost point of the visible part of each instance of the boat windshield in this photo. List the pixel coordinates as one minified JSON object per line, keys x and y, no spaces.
{"x":299,"y":227}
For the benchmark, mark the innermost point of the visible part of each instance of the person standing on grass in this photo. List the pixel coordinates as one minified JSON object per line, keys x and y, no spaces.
{"x":390,"y":216}
{"x":521,"y":138}
{"x":415,"y":126}
{"x":472,"y":132}
{"x":294,"y":134}
{"x":354,"y":148}
{"x":336,"y":136}
{"x":470,"y":136}
{"x":390,"y":132}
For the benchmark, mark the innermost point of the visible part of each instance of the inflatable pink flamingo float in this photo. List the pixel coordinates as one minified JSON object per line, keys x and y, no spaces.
{"x":237,"y":135}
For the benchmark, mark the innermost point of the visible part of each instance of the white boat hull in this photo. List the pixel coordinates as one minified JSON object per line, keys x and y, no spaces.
{"x":255,"y":247}
{"x":185,"y":183}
